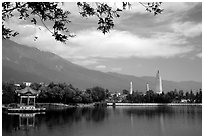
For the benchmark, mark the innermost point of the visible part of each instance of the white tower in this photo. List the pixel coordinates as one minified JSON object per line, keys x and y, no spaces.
{"x":147,"y":87}
{"x":131,"y":87}
{"x":158,"y":83}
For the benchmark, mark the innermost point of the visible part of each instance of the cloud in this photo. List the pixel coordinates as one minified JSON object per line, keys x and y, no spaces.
{"x":71,"y":7}
{"x":45,"y":40}
{"x":116,"y":69}
{"x":91,"y":44}
{"x":175,"y":11}
{"x":199,"y":55}
{"x":188,"y":29}
{"x":136,"y":8}
{"x":124,"y":44}
{"x":17,"y":25}
{"x":176,"y":7}
{"x":169,"y":7}
{"x":101,"y":67}
{"x":83,"y":62}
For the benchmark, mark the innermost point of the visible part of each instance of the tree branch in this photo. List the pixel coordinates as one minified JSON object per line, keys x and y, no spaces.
{"x":9,"y":10}
{"x":143,"y":4}
{"x":45,"y":25}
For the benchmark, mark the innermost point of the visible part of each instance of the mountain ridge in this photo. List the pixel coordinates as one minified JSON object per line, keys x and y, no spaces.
{"x":18,"y":60}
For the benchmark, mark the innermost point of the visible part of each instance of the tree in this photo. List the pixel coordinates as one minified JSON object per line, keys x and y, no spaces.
{"x":98,"y":94}
{"x":107,"y":93}
{"x":69,"y":94}
{"x":35,"y":86}
{"x":198,"y":96}
{"x":45,"y":11}
{"x":181,"y":94}
{"x":86,"y":97}
{"x":77,"y":99}
{"x":129,"y":98}
{"x":187,"y":96}
{"x":52,"y":12}
{"x":192,"y":96}
{"x":149,"y":97}
{"x":22,"y":85}
{"x":9,"y":95}
{"x":125,"y":91}
{"x":43,"y":96}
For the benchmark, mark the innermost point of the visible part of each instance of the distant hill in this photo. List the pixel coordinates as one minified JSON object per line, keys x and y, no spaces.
{"x":23,"y":63}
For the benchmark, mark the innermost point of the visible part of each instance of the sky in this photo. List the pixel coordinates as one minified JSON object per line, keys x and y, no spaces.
{"x":139,"y":44}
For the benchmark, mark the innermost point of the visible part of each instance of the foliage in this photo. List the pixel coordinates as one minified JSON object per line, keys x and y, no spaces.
{"x":106,"y":13}
{"x":45,"y":11}
{"x":125,"y":91}
{"x":153,"y":7}
{"x":52,"y":12}
{"x":8,"y":93}
{"x":169,"y":97}
{"x":86,"y":97}
{"x":35,"y":86}
{"x":98,"y":94}
{"x":55,"y":93}
{"x":43,"y":96}
{"x":67,"y":94}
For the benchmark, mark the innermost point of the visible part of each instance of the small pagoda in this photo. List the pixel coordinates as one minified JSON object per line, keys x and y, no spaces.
{"x":27,"y":97}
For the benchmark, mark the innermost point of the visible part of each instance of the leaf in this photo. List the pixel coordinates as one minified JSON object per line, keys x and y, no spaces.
{"x":119,"y":9}
{"x":35,"y":38}
{"x":34,"y":21}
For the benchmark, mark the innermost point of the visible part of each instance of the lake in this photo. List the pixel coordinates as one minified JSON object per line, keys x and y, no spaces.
{"x":118,"y":121}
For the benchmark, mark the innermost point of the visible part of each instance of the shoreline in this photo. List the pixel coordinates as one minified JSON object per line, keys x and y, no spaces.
{"x":64,"y":106}
{"x":51,"y":106}
{"x":154,"y":104}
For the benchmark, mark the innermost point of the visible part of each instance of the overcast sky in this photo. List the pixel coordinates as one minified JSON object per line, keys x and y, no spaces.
{"x":139,"y":44}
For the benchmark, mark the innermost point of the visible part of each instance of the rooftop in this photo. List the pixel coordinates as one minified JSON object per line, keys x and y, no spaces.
{"x":27,"y":91}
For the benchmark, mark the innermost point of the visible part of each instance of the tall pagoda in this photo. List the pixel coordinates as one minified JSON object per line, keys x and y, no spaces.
{"x":158,"y":83}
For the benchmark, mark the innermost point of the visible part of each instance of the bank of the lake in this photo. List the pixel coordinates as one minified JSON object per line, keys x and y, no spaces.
{"x":101,"y":104}
{"x":64,"y":106}
{"x":51,"y":106}
{"x":153,"y":104}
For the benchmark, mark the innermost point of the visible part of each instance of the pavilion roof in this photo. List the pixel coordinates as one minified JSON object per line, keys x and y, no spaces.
{"x":27,"y":91}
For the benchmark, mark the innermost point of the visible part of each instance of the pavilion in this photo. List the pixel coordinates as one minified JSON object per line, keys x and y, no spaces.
{"x":27,"y":97}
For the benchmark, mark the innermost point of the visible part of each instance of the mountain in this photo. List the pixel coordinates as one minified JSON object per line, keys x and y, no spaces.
{"x":22,"y":63}
{"x":167,"y":85}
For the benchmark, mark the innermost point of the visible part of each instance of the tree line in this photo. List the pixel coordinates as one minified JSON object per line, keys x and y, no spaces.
{"x":55,"y":93}
{"x":169,"y":97}
{"x":67,"y":94}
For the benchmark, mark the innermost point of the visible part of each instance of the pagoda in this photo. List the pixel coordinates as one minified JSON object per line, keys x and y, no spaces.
{"x":158,"y":83}
{"x":27,"y":101}
{"x":27,"y":97}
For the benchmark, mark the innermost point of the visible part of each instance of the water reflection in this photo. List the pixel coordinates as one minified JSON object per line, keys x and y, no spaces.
{"x":75,"y":115}
{"x":151,"y":112}
{"x":52,"y":119}
{"x":165,"y":115}
{"x":21,"y":123}
{"x":158,"y":120}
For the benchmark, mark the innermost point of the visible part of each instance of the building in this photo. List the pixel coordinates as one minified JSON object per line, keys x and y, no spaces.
{"x":158,"y":89}
{"x":27,"y":97}
{"x":131,"y":90}
{"x":27,"y":83}
{"x":147,"y":87}
{"x":17,"y":85}
{"x":27,"y":101}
